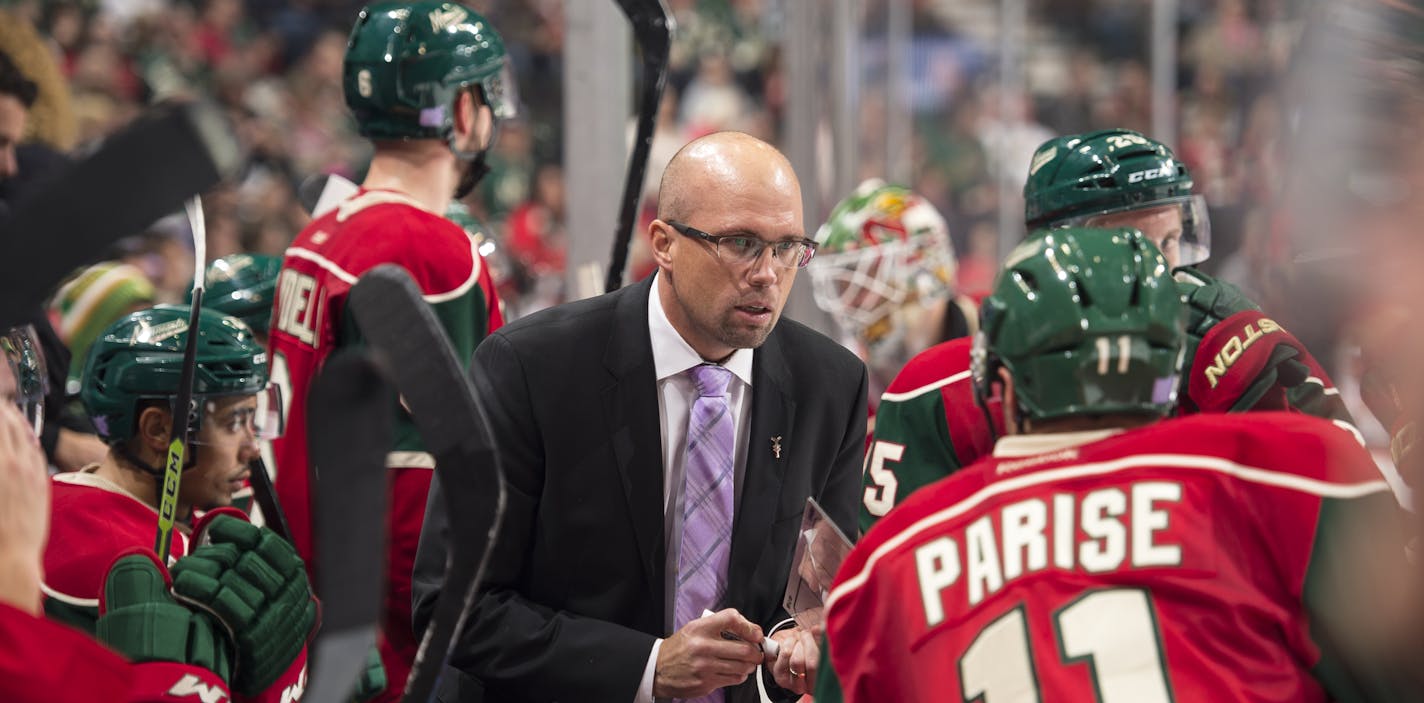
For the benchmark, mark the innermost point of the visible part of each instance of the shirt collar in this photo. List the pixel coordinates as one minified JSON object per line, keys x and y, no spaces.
{"x":1029,"y":444}
{"x":672,"y":354}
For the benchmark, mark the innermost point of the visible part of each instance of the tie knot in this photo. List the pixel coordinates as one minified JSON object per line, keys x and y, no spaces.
{"x":711,"y":380}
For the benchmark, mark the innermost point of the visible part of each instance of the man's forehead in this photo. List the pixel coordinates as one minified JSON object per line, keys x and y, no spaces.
{"x":233,"y":401}
{"x":1154,"y":212}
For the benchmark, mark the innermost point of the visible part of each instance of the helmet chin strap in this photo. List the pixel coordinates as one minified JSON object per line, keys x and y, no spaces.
{"x":475,"y":170}
{"x":476,"y":167}
{"x":155,"y":471}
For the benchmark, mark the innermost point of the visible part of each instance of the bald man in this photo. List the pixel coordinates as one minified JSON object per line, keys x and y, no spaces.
{"x":619,"y":530}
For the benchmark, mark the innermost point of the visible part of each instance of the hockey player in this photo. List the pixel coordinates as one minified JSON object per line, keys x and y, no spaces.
{"x":884,"y":270}
{"x":106,"y":511}
{"x":428,"y":83}
{"x":1099,"y":554}
{"x":1237,"y":358}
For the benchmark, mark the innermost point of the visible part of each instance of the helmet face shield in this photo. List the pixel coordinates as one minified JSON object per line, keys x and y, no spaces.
{"x":23,"y":378}
{"x":501,"y":92}
{"x":233,"y":420}
{"x":1180,"y":227}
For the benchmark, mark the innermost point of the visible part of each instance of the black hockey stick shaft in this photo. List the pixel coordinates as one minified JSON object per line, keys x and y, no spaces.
{"x":652,"y":30}
{"x":265,"y":495}
{"x":138,"y":175}
{"x":397,"y":322}
{"x":348,"y":433}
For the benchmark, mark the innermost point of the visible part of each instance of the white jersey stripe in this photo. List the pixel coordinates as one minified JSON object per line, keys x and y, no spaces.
{"x":68,"y":599}
{"x":326,"y":264}
{"x":433,"y":298}
{"x":410,"y":460}
{"x":915,"y":393}
{"x":1320,"y":382}
{"x":1253,"y":474}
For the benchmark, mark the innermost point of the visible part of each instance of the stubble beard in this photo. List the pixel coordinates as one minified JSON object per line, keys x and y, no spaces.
{"x":741,"y":336}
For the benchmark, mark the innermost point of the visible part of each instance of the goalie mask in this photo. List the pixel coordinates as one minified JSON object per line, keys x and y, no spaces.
{"x":1087,"y":322}
{"x":139,"y":359}
{"x":882,"y":253}
{"x":1118,"y":178}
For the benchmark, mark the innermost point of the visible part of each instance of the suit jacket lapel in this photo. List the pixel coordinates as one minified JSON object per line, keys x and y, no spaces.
{"x":772,"y":415}
{"x":630,"y":407}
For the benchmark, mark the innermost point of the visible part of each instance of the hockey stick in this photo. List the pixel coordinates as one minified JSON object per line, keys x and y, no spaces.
{"x":183,"y":402}
{"x":173,"y":151}
{"x":265,"y":494}
{"x":401,"y":326}
{"x":652,"y":30}
{"x":349,"y":432}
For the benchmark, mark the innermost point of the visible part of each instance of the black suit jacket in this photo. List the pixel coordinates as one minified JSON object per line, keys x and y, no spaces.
{"x":574,"y":595}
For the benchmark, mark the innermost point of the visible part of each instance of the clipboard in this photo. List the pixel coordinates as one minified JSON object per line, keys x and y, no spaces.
{"x":820,"y":549}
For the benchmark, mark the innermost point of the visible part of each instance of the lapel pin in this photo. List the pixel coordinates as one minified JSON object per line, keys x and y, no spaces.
{"x":776,"y":446}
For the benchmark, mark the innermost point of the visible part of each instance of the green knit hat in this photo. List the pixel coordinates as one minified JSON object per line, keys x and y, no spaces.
{"x":94,"y":299}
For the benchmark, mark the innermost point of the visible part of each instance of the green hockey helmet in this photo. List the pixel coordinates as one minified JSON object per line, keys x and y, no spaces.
{"x":140,"y":358}
{"x":883,"y":249}
{"x":406,"y":62}
{"x":1093,"y":179}
{"x":1087,"y":321}
{"x":243,"y":285}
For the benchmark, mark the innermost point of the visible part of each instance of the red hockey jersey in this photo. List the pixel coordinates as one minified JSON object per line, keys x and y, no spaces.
{"x":310,"y":321}
{"x":1206,"y":558}
{"x":93,"y":521}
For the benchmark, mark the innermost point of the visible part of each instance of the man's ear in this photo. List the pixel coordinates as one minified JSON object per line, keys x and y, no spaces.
{"x":662,"y":235}
{"x":474,"y":121}
{"x":154,"y":425}
{"x":1009,"y":404}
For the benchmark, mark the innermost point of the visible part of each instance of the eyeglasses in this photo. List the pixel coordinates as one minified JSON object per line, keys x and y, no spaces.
{"x":744,"y":249}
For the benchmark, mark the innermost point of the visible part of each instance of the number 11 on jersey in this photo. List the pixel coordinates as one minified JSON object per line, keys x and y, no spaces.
{"x":1112,"y":631}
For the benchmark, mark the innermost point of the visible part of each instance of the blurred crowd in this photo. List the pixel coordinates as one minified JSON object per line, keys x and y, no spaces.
{"x":276,"y":67}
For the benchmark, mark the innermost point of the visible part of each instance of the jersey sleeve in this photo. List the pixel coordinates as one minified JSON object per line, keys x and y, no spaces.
{"x":1344,"y":561}
{"x":446,"y":265}
{"x":926,"y":427}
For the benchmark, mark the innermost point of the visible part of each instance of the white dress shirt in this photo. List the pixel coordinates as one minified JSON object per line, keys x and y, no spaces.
{"x":672,"y":357}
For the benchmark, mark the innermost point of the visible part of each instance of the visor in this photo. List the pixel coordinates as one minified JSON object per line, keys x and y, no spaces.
{"x":1194,"y":244}
{"x":24,"y":378}
{"x":240,"y":419}
{"x":502,"y":93}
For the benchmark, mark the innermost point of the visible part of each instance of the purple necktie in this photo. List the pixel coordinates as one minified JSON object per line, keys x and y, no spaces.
{"x":706,"y":501}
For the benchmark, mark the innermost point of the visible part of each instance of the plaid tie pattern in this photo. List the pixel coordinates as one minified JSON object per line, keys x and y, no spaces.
{"x":706,"y":501}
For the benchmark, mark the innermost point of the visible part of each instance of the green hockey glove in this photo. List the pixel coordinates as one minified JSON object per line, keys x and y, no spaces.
{"x":255,"y":583}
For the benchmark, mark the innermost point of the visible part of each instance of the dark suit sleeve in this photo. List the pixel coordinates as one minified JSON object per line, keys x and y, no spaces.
{"x":511,"y":644}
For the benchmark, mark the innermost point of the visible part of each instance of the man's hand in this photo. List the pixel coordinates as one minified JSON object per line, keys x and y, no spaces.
{"x":794,"y":668}
{"x":24,"y":511}
{"x":696,"y":660}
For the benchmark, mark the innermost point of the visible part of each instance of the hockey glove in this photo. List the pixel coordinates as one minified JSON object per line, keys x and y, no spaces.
{"x":254,"y":582}
{"x":177,"y":652}
{"x":1237,"y":359}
